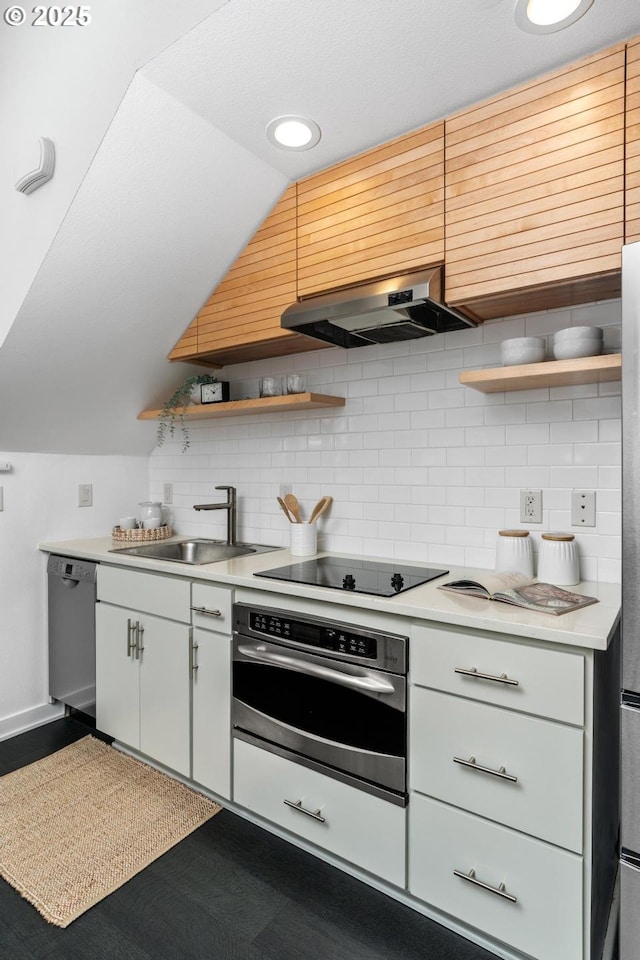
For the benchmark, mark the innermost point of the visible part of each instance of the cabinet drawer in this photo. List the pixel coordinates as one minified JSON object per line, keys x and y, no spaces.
{"x":164,"y":596}
{"x":362,"y":829}
{"x":546,"y":758}
{"x":211,"y":607}
{"x":549,"y":683}
{"x":545,"y":922}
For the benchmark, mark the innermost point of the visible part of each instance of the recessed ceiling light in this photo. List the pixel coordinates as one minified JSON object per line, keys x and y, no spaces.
{"x":293,"y":133}
{"x":547,"y":16}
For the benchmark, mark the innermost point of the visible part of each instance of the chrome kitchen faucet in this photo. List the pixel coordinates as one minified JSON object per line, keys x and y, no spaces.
{"x":230,"y":507}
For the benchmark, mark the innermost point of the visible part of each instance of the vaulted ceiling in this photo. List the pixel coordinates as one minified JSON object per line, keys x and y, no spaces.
{"x":177,"y":178}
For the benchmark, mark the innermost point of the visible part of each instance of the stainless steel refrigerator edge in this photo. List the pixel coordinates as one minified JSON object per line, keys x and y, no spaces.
{"x":630,"y":710}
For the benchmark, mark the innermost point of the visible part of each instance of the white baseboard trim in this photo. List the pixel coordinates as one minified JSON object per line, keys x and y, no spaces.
{"x":28,"y":719}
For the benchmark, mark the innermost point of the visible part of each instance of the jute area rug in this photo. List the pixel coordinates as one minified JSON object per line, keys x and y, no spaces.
{"x":77,"y":825}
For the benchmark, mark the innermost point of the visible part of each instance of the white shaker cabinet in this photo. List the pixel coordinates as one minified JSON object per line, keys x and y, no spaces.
{"x":513,"y":787}
{"x":211,"y":687}
{"x":143,"y":664}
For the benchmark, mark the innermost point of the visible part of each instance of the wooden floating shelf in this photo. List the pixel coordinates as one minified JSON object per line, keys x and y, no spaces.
{"x":284,"y":404}
{"x":554,"y":373}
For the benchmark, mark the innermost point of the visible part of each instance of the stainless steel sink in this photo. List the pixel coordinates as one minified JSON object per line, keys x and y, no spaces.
{"x":193,"y":551}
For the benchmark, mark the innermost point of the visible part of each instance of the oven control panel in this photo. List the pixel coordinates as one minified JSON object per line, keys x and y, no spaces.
{"x":314,"y":635}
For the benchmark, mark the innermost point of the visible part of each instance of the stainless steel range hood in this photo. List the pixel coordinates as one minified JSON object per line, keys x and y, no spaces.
{"x":401,"y":308}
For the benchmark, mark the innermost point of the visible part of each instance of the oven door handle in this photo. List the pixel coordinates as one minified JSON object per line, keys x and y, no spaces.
{"x":368,"y":683}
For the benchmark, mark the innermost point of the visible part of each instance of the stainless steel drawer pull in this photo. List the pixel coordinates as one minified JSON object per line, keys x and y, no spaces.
{"x":129,"y":643}
{"x":474,"y":672}
{"x":209,"y":613}
{"x":471,"y":762}
{"x":308,"y":813}
{"x":194,"y":657}
{"x":499,"y":891}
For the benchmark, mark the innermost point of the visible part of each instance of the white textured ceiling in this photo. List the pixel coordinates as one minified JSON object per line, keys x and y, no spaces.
{"x":185,"y":174}
{"x":365,"y":70}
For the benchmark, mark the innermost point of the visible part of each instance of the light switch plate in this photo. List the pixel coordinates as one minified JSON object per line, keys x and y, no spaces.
{"x":85,"y":494}
{"x":167,"y":493}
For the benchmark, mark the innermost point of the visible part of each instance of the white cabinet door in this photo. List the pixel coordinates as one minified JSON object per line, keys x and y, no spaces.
{"x":546,"y":760}
{"x":164,"y":692}
{"x":211,"y":668}
{"x":544,"y":921}
{"x":117,"y":672}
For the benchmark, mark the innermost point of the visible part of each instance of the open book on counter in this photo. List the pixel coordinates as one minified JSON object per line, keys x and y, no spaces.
{"x":521,"y":591}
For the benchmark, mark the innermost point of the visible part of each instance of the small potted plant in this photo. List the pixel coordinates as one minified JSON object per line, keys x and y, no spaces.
{"x":173,"y":409}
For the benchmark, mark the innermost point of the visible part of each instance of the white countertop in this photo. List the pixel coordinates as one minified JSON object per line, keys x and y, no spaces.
{"x":591,"y":627}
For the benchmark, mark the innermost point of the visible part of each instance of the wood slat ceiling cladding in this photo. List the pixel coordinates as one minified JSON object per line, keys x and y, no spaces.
{"x":632,"y":185}
{"x":393,"y":194}
{"x":536,"y":178}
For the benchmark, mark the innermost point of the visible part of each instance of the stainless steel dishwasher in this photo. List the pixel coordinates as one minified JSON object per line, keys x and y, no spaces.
{"x":72,"y":632}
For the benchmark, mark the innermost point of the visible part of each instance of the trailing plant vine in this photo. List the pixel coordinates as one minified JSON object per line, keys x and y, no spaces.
{"x":173,"y":410}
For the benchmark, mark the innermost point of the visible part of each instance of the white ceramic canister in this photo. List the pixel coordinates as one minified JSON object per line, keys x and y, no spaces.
{"x":514,"y":553}
{"x":304,"y":539}
{"x":150,"y":510}
{"x":558,"y":560}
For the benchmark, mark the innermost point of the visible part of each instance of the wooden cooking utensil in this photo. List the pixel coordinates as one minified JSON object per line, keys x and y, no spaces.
{"x":323,"y":504}
{"x":293,"y":506}
{"x":284,"y":509}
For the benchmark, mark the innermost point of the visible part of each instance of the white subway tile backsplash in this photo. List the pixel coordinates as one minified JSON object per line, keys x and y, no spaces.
{"x":421,"y":468}
{"x":600,"y":408}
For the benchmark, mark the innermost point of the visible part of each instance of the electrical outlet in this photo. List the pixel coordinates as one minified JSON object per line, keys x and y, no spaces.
{"x":285,"y":488}
{"x":167,"y":493}
{"x":85,"y":494}
{"x":583,"y":508}
{"x":531,"y":506}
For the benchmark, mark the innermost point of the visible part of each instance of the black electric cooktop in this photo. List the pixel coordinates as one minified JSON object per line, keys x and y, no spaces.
{"x":382,"y":578}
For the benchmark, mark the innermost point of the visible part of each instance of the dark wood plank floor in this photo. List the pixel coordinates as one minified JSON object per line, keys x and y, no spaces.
{"x":230,"y":891}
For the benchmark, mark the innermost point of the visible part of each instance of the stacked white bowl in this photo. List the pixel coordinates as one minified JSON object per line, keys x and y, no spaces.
{"x":522,"y":350}
{"x":574,"y":342}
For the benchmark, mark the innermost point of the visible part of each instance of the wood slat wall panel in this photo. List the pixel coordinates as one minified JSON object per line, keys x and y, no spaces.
{"x":563,"y":294}
{"x":517,"y":126}
{"x":632,"y":145}
{"x":603,"y":227}
{"x":532,"y":186}
{"x":581,"y":72}
{"x":596,"y":261}
{"x":535,"y":187}
{"x":351,"y":190}
{"x":187,"y":345}
{"x":578,"y":143}
{"x":411,"y":258}
{"x":546,"y":210}
{"x":373,"y":216}
{"x":242,"y":315}
{"x":424,"y":142}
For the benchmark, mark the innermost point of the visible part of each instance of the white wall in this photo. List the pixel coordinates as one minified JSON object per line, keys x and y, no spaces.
{"x":163,"y":211}
{"x":420,"y":467}
{"x":40,"y":503}
{"x":66,"y":84}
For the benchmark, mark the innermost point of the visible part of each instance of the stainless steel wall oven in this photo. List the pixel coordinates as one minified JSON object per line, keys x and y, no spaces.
{"x":328,"y":695}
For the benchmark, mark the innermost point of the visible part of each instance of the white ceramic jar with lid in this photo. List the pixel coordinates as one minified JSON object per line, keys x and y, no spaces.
{"x":558,"y":559}
{"x":514,"y":553}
